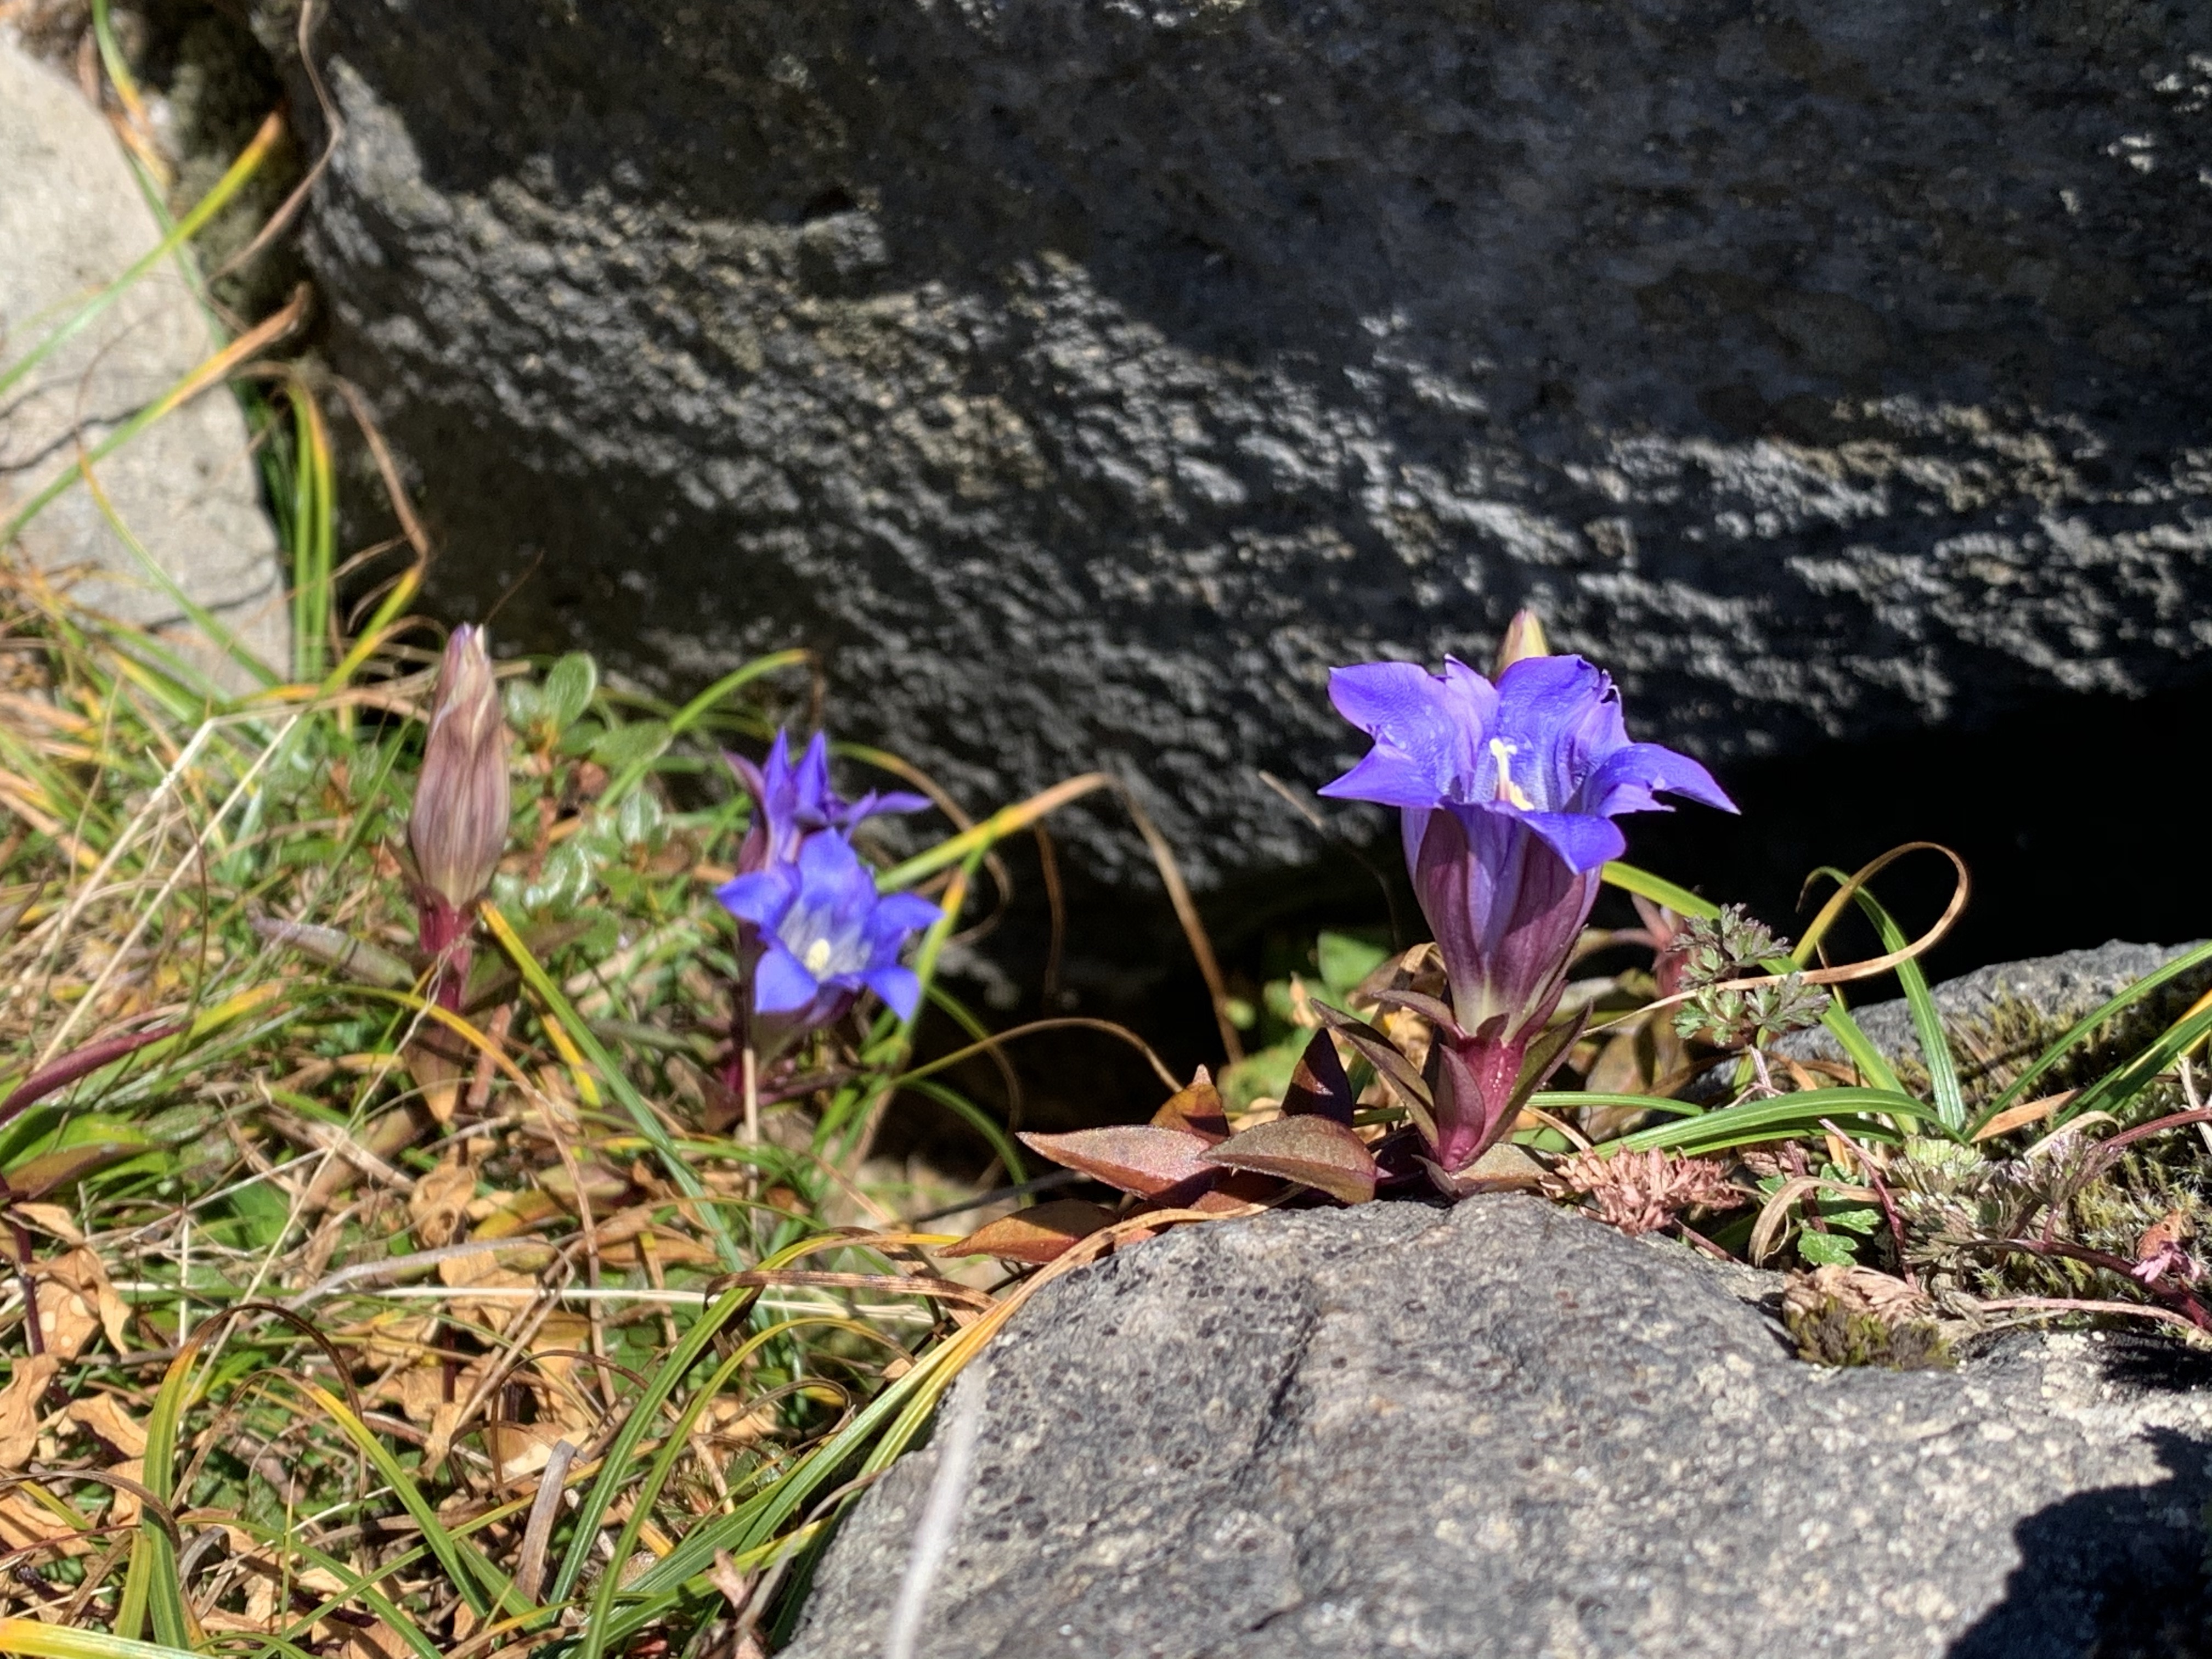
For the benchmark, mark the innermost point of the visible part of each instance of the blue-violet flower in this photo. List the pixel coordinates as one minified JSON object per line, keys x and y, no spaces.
{"x":793,"y":800}
{"x":825,"y":935}
{"x":1507,"y":795}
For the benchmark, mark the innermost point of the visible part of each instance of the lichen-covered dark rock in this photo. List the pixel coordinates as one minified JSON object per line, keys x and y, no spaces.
{"x":1504,"y":1430}
{"x":1087,"y":378}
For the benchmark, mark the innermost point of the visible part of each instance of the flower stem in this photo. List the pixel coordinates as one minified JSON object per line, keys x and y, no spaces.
{"x":442,"y":930}
{"x":749,"y":1065}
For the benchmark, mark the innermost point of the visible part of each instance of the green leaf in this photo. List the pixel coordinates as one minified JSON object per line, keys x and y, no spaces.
{"x":569,"y":685}
{"x":524,"y":704}
{"x":259,"y":1215}
{"x":1852,"y":1221}
{"x":1346,"y":960}
{"x":638,"y":820}
{"x":629,"y":747}
{"x":1266,"y":1074}
{"x":569,"y":874}
{"x":1826,"y":1251}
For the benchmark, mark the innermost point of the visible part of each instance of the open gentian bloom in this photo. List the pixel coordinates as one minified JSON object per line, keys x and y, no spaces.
{"x":1507,"y":795}
{"x":793,"y":800}
{"x":826,"y":935}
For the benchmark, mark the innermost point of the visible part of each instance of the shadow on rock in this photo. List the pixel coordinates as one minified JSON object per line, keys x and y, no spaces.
{"x":2113,"y":1574}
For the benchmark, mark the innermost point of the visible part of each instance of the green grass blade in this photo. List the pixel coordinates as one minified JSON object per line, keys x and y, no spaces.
{"x":37,"y":1640}
{"x":1567,"y":1100}
{"x":643,"y":1411}
{"x":1657,"y":888}
{"x":1950,"y":1101}
{"x":587,"y":1040}
{"x":152,"y":1587}
{"x":599,"y":1628}
{"x":2114,"y":1090}
{"x":481,"y":1584}
{"x":1851,"y":1037}
{"x":233,"y":180}
{"x":2081,"y":1030}
{"x":1774,"y":1118}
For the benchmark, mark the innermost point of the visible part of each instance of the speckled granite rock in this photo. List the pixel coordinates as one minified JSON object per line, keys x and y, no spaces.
{"x":71,"y":220}
{"x":1087,"y":377}
{"x":1504,"y":1430}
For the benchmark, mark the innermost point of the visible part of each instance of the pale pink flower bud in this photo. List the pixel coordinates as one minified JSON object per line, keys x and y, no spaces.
{"x":458,"y":830}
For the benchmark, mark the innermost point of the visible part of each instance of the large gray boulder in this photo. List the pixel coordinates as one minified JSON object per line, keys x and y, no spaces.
{"x":1086,"y":379}
{"x":72,"y":220}
{"x":1505,"y":1430}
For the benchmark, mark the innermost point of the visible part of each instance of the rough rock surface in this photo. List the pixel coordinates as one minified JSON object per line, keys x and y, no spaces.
{"x":1087,"y":378}
{"x":1505,"y":1430}
{"x":72,"y":220}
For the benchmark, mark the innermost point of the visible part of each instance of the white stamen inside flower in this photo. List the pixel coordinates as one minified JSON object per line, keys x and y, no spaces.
{"x":818,"y":956}
{"x":1507,"y":791}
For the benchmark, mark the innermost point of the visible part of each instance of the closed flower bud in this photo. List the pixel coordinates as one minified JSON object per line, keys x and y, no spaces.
{"x":1524,"y":638}
{"x":458,"y":830}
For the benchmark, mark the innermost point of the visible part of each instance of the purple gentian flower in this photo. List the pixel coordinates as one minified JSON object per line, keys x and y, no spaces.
{"x":1507,"y":795}
{"x":792,"y":801}
{"x":825,"y":936}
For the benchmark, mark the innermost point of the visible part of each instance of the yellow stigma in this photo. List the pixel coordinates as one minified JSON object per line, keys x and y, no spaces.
{"x":1508,"y":790}
{"x":817,"y":957}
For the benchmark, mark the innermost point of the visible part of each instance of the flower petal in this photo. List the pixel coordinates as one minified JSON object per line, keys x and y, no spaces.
{"x":827,"y":865}
{"x":1583,"y":840}
{"x":904,"y":913}
{"x":813,"y":804}
{"x":898,"y":987}
{"x":1537,"y":693}
{"x":1626,"y":780}
{"x":1427,"y":730}
{"x":882,"y":800}
{"x":759,"y":897}
{"x":1390,"y":778}
{"x":780,"y":983}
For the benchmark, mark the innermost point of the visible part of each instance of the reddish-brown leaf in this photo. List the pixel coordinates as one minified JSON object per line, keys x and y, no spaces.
{"x":1142,"y":1158}
{"x":1316,"y":1152}
{"x":1319,"y":1087}
{"x":1037,"y":1235}
{"x":1383,"y":1054}
{"x":1434,"y":1009}
{"x":1237,"y":1190}
{"x":1196,"y":1110}
{"x":1545,"y":1053}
